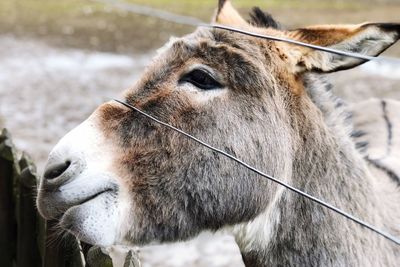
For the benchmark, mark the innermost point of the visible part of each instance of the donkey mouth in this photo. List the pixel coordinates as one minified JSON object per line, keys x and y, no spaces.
{"x":95,"y":199}
{"x":86,"y":206}
{"x":52,"y":204}
{"x":94,"y":219}
{"x":88,"y":199}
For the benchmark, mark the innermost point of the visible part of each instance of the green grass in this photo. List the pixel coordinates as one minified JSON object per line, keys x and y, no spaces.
{"x":203,"y":9}
{"x":87,"y":24}
{"x":188,"y":6}
{"x":34,"y":11}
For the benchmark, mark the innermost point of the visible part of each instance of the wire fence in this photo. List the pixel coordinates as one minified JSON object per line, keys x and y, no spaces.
{"x":186,"y":20}
{"x":195,"y":22}
{"x":26,"y":235}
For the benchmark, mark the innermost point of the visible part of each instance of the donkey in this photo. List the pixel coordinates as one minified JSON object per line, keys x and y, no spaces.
{"x":121,"y":179}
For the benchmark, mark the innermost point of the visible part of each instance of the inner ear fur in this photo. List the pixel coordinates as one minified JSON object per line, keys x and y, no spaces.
{"x":368,"y":39}
{"x":228,"y":15}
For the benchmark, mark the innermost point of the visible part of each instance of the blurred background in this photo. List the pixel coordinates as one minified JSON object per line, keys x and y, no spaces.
{"x":59,"y":59}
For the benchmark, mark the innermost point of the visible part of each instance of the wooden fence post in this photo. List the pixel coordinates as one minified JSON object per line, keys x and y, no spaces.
{"x":27,"y":244}
{"x":132,"y":259}
{"x":97,"y":258}
{"x":61,"y":251}
{"x":8,"y":224}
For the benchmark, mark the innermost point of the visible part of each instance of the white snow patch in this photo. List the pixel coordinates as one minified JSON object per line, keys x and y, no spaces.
{"x":207,"y":250}
{"x":389,"y":70}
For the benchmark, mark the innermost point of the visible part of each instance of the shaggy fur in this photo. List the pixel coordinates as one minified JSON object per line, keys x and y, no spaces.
{"x":275,"y":114}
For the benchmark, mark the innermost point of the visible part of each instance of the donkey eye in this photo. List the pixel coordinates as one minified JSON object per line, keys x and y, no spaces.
{"x":201,"y":79}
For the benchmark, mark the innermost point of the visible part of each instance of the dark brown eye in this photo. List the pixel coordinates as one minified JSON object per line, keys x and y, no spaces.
{"x":201,"y":79}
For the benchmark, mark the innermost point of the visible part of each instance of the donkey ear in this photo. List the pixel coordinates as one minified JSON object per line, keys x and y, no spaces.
{"x":367,"y":39}
{"x":228,"y":15}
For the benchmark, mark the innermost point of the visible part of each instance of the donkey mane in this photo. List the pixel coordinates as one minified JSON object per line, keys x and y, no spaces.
{"x":336,"y":113}
{"x":262,"y":19}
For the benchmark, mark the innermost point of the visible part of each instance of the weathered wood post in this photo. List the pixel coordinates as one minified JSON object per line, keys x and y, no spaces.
{"x":27,"y":218}
{"x":61,"y":251}
{"x":8,"y":222}
{"x":97,"y":257}
{"x":126,"y":257}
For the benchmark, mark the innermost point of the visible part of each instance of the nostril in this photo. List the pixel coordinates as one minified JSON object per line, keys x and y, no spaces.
{"x":55,"y":170}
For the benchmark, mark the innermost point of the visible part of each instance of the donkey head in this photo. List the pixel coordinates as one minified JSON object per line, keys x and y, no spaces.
{"x":119,"y":178}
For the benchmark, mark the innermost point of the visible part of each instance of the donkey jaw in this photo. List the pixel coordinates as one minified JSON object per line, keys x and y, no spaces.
{"x":86,"y":197}
{"x":95,"y":221}
{"x":258,"y":233}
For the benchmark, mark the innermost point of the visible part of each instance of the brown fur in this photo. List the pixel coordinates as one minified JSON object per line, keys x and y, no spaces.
{"x":332,"y":34}
{"x":273,"y":113}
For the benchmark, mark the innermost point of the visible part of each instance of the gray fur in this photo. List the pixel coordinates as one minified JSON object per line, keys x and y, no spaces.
{"x":286,"y":123}
{"x":305,"y":141}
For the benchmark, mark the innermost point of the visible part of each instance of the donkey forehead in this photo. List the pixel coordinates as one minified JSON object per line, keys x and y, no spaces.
{"x":244,"y":63}
{"x":239,"y":60}
{"x":218,"y":43}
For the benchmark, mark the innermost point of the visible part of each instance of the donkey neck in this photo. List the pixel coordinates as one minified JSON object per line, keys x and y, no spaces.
{"x":294,"y":231}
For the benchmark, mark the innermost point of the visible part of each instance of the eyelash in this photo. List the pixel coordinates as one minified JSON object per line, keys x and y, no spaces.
{"x":201,"y":79}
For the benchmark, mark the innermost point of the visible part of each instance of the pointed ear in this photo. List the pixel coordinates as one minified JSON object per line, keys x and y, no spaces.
{"x":228,"y":15}
{"x":368,"y":39}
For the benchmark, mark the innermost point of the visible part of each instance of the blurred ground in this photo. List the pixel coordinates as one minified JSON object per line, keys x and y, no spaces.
{"x":92,"y":25}
{"x":61,"y":59}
